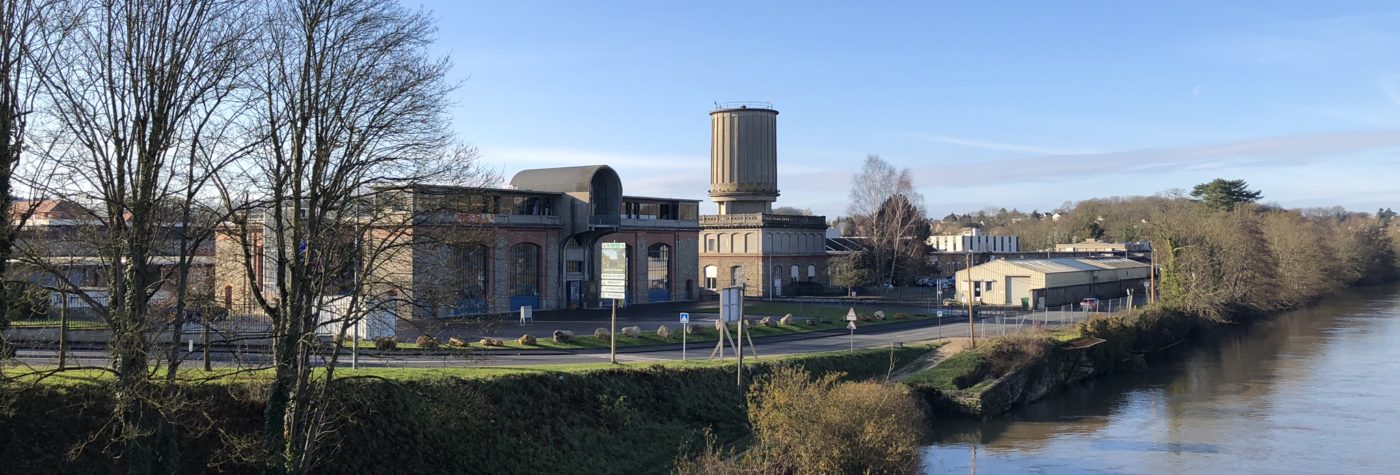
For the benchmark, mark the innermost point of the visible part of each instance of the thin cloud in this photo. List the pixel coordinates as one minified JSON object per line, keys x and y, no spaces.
{"x":1265,"y":152}
{"x":1001,"y":146}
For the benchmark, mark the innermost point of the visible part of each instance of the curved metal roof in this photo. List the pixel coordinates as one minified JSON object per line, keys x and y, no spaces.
{"x":561,"y":179}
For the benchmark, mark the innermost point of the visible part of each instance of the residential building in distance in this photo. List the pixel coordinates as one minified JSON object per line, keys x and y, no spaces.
{"x":972,"y":240}
{"x":535,"y":243}
{"x":746,"y":244}
{"x":1046,"y":283}
{"x":1104,"y":247}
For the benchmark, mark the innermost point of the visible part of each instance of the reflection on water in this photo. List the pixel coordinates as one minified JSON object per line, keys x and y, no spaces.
{"x":1311,"y":391}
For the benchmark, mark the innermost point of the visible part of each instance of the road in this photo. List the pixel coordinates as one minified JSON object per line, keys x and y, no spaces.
{"x":878,"y":336}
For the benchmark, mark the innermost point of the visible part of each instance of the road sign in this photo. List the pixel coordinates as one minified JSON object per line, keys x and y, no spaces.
{"x":685,"y":318}
{"x":851,"y":315}
{"x":940,"y":313}
{"x":614,"y":271}
{"x":850,"y":325}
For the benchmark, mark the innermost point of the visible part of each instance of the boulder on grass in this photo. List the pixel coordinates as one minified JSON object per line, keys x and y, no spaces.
{"x":602,"y":333}
{"x":386,"y":343}
{"x":691,"y":328}
{"x":810,"y":322}
{"x":563,"y":336}
{"x":426,"y":342}
{"x":632,"y":332}
{"x":492,"y":342}
{"x":456,"y":342}
{"x":663,"y":332}
{"x":527,"y":340}
{"x":786,"y":320}
{"x":879,"y":314}
{"x":766,"y":321}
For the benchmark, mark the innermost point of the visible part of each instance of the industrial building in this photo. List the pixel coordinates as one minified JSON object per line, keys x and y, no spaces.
{"x":1050,"y":282}
{"x":746,"y":244}
{"x":536,"y":243}
{"x":1104,"y":247}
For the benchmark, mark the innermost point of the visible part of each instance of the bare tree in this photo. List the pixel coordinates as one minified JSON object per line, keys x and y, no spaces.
{"x":886,"y":208}
{"x":131,"y":93}
{"x":351,"y":126}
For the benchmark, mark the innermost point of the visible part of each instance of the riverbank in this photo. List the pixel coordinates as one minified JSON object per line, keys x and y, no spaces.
{"x":1012,"y":371}
{"x":631,"y":420}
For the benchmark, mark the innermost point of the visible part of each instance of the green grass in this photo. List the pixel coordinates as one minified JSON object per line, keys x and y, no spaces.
{"x":50,"y":376}
{"x":72,"y":324}
{"x":943,"y":374}
{"x":648,"y":336}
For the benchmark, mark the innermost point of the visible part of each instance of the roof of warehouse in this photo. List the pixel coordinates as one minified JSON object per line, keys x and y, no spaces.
{"x":1055,"y":266}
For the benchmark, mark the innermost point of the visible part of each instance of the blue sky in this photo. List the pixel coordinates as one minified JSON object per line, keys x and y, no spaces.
{"x":991,"y":104}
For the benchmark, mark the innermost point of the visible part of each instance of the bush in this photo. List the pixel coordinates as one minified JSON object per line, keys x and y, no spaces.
{"x":386,"y":343}
{"x":663,"y":332}
{"x":426,"y":342}
{"x":823,"y":425}
{"x":1014,"y":351}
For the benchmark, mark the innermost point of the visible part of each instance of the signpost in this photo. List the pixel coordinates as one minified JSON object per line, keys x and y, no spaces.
{"x":614,"y":286}
{"x":851,"y":325}
{"x":685,"y":325}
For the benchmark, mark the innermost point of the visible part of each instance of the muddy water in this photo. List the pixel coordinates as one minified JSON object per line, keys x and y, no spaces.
{"x":1311,"y":391}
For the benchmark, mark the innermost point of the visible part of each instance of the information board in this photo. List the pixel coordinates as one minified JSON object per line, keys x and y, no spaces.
{"x":614,"y":271}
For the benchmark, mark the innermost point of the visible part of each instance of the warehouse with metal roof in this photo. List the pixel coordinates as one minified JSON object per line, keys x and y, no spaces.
{"x":1050,"y":282}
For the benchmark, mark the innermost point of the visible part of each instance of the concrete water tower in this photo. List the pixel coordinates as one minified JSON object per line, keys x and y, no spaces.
{"x":744,"y":157}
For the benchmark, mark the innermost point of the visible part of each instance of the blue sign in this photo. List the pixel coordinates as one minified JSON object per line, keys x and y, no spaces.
{"x":685,"y":317}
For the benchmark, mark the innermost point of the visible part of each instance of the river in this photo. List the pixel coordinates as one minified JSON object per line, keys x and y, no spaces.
{"x":1310,"y":391}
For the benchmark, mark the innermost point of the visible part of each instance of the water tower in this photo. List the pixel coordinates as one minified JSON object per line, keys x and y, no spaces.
{"x":744,"y":157}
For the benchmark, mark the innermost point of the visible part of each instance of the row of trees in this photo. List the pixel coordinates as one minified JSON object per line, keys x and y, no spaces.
{"x":1223,"y":254}
{"x":271,"y":123}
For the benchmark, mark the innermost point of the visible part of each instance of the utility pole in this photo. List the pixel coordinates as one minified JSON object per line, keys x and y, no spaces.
{"x":971,"y":322}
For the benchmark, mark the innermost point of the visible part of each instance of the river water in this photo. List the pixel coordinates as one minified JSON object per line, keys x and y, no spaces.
{"x":1310,"y":391}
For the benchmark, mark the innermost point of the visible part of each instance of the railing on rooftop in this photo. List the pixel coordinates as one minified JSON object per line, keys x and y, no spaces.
{"x":763,"y":219}
{"x":743,"y":105}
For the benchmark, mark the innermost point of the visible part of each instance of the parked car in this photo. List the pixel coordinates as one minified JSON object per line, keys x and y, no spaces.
{"x":1089,"y":304}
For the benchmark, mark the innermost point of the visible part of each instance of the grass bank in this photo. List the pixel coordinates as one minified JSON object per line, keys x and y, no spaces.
{"x":580,"y":418}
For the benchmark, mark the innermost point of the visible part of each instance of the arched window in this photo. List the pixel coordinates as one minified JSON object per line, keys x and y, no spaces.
{"x":659,"y":273}
{"x":711,"y":277}
{"x":811,"y":272}
{"x":524,"y":270}
{"x":796,"y":273}
{"x":736,"y":276}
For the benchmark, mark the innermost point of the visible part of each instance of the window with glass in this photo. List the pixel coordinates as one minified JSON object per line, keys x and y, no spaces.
{"x":525,"y":269}
{"x":795,"y":273}
{"x":736,"y":275}
{"x":811,"y":273}
{"x":711,"y":277}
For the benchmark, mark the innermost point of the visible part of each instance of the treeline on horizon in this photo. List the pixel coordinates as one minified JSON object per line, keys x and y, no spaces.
{"x":1220,"y":253}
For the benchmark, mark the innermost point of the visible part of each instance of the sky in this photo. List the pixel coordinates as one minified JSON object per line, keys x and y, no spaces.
{"x":1021,"y":105}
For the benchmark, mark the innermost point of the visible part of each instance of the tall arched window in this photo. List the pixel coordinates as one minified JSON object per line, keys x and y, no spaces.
{"x":659,"y":273}
{"x":711,"y":277}
{"x":796,"y":273}
{"x":811,"y":273}
{"x":736,"y":276}
{"x":524,"y":275}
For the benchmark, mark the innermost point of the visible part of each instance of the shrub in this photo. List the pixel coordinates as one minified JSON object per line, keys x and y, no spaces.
{"x":663,"y":332}
{"x":527,"y":340}
{"x":426,"y":342}
{"x":1013,"y":351}
{"x":386,"y":343}
{"x":822,"y":425}
{"x":563,"y":336}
